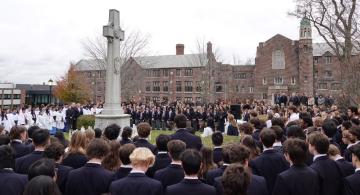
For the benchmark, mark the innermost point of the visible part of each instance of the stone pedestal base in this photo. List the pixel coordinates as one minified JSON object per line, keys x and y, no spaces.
{"x":102,"y":121}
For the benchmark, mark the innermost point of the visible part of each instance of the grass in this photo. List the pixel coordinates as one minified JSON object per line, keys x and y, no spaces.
{"x":205,"y":140}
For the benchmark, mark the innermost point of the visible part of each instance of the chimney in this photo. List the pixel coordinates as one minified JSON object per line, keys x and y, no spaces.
{"x":180,"y":49}
{"x":209,"y":48}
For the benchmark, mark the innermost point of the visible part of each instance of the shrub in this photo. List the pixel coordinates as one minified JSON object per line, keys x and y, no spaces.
{"x":85,"y":121}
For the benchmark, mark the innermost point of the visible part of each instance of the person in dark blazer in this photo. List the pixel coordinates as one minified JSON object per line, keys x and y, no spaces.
{"x":354,"y":137}
{"x":112,"y":132}
{"x":125,"y":167}
{"x":352,"y":182}
{"x":217,"y":140}
{"x":75,"y":156}
{"x":299,"y":178}
{"x":214,"y":173}
{"x":17,"y":137}
{"x":41,"y":138}
{"x":191,"y":141}
{"x":162,"y":158}
{"x":190,"y":185}
{"x":144,"y":132}
{"x":56,"y":152}
{"x":236,"y":180}
{"x":270,"y":163}
{"x":346,"y":167}
{"x":240,"y":154}
{"x":92,"y":178}
{"x":233,"y":129}
{"x":11,"y":183}
{"x":137,"y":183}
{"x":327,"y":169}
{"x":126,"y":135}
{"x":173,"y":173}
{"x":279,"y":136}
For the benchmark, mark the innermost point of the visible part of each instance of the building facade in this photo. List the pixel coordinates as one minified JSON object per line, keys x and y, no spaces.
{"x":10,"y":96}
{"x":281,"y":65}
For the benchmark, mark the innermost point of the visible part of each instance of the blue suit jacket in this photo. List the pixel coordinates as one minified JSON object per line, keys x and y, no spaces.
{"x":257,"y":186}
{"x":122,"y":172}
{"x":346,"y":167}
{"x":352,"y":184}
{"x":62,"y":175}
{"x":170,"y":175}
{"x":91,"y":179}
{"x":297,"y":180}
{"x":75,"y":160}
{"x":269,"y":164}
{"x":20,"y":149}
{"x":161,"y":161}
{"x":214,"y":173}
{"x":12,"y":183}
{"x":190,"y":187}
{"x":217,"y":156}
{"x":136,"y":184}
{"x":191,"y":141}
{"x":22,"y":164}
{"x":329,"y":174}
{"x":144,"y":143}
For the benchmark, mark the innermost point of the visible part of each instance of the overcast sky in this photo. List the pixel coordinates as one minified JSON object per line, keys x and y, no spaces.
{"x":38,"y":38}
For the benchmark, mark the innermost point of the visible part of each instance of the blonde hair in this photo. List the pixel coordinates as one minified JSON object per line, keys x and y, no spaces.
{"x":77,"y":143}
{"x":232,"y":120}
{"x":90,"y":135}
{"x":142,"y":156}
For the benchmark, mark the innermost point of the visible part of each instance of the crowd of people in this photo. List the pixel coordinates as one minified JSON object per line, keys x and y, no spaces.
{"x":283,"y":150}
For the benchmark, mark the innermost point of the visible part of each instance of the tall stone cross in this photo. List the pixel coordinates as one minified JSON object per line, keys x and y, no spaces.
{"x":114,"y":35}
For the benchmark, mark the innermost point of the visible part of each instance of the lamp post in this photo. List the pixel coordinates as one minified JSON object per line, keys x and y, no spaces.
{"x":50,"y":83}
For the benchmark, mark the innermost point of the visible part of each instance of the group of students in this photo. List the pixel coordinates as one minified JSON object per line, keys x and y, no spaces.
{"x":289,"y":159}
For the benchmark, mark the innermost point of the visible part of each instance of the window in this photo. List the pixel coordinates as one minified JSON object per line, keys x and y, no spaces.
{"x":16,"y":96}
{"x":240,"y":75}
{"x":198,"y":99}
{"x":178,"y":86}
{"x":237,"y":88}
{"x":156,"y":98}
{"x":165,"y":72}
{"x":264,"y":81}
{"x":156,"y":85}
{"x":165,"y":85}
{"x":264,"y":96}
{"x":316,"y":73}
{"x":148,"y":73}
{"x":188,"y":72}
{"x":178,"y":72}
{"x":7,"y":96}
{"x":188,"y":86}
{"x":156,"y":73}
{"x":148,"y":86}
{"x":243,"y":89}
{"x":293,"y":80}
{"x":147,"y":98}
{"x":316,"y":60}
{"x":335,"y":86}
{"x":251,"y":89}
{"x":198,"y":86}
{"x":278,"y":59}
{"x":278,"y":80}
{"x":327,"y":59}
{"x":328,"y":73}
{"x":322,"y":86}
{"x":218,"y":88}
{"x":188,"y":99}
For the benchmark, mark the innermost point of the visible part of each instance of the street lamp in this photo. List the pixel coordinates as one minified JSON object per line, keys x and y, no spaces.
{"x":50,"y":83}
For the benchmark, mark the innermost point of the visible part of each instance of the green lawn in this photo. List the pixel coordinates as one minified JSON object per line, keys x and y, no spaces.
{"x":206,"y":141}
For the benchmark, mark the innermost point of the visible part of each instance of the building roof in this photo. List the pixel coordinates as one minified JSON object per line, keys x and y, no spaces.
{"x":172,"y":61}
{"x":35,"y":87}
{"x":90,"y":64}
{"x":319,"y":49}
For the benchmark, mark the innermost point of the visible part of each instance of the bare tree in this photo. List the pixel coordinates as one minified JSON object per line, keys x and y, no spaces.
{"x":337,"y":22}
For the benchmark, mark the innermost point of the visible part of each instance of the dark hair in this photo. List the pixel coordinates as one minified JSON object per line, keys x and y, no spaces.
{"x":207,"y":159}
{"x":249,"y":142}
{"x":295,"y":131}
{"x":144,"y":130}
{"x":111,"y":161}
{"x":256,"y":123}
{"x":329,"y":128}
{"x":308,"y":121}
{"x":54,"y":151}
{"x":267,"y":137}
{"x":42,"y":166}
{"x":162,"y":141}
{"x":175,"y":148}
{"x":41,"y":137}
{"x":191,"y":161}
{"x":31,"y":130}
{"x":355,"y":150}
{"x":16,"y":131}
{"x":7,"y":157}
{"x":355,"y":131}
{"x":4,"y":139}
{"x":278,"y":122}
{"x":60,"y":136}
{"x":98,"y":133}
{"x":354,"y":109}
{"x":246,"y":128}
{"x":346,"y":124}
{"x":97,"y":148}
{"x":42,"y":185}
{"x":297,"y":150}
{"x":355,"y":121}
{"x":235,"y":180}
{"x":217,"y":138}
{"x":112,"y":132}
{"x":126,"y":133}
{"x":238,"y":153}
{"x":180,"y":121}
{"x":279,"y":132}
{"x":319,"y":141}
{"x":124,"y":153}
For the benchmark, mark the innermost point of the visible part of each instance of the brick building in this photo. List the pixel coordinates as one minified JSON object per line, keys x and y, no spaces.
{"x":281,"y":65}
